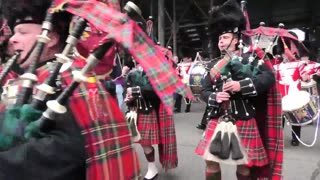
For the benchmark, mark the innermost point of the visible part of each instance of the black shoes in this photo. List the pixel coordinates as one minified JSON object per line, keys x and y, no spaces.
{"x":201,"y":126}
{"x":295,"y":142}
{"x":176,"y":110}
{"x":188,"y":108}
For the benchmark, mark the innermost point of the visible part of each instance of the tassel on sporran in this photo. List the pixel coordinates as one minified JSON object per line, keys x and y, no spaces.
{"x":132,"y":117}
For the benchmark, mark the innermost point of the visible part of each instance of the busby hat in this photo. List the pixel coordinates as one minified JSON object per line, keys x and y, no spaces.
{"x":278,"y":49}
{"x":226,"y":18}
{"x":186,"y":51}
{"x":34,"y":11}
{"x":25,"y":11}
{"x":305,"y":49}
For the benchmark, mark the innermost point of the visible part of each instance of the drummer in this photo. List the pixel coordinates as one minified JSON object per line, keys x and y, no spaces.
{"x":313,"y":69}
{"x":289,"y":72}
{"x":183,"y":71}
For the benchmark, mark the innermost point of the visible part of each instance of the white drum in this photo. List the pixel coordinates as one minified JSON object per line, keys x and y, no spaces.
{"x":299,"y":109}
{"x":310,"y":87}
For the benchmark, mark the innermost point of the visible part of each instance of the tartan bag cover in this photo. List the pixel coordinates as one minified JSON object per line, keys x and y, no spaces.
{"x":131,"y":37}
{"x":109,"y":149}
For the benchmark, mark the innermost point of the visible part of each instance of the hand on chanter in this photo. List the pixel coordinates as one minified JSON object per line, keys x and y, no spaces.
{"x":129,"y":96}
{"x":222,"y":96}
{"x":231,"y":86}
{"x":125,"y":71}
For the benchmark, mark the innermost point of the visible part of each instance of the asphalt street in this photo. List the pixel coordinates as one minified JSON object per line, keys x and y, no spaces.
{"x":300,"y":163}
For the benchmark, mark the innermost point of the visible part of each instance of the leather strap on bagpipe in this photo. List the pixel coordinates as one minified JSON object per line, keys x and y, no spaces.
{"x":132,"y":38}
{"x":218,"y":67}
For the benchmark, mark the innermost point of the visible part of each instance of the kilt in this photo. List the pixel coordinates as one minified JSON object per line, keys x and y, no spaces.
{"x":250,"y":141}
{"x":157,"y":127}
{"x":148,"y":127}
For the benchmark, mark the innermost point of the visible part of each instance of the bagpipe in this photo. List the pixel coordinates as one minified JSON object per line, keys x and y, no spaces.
{"x":225,"y":140}
{"x":241,"y":69}
{"x":41,"y":105}
{"x":23,"y":107}
{"x":135,"y":76}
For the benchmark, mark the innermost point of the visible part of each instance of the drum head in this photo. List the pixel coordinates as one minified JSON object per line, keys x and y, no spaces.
{"x":196,"y":77}
{"x":295,"y":100}
{"x":299,"y":109}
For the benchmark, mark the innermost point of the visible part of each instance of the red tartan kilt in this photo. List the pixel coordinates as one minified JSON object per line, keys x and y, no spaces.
{"x":148,"y":127}
{"x":110,"y":154}
{"x":250,"y":139}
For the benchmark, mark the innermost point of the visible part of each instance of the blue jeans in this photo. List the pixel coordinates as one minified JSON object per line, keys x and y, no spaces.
{"x":119,"y":92}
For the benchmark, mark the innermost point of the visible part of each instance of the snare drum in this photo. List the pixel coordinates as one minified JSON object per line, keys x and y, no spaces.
{"x":310,"y":87}
{"x":299,"y":109}
{"x":196,"y":76}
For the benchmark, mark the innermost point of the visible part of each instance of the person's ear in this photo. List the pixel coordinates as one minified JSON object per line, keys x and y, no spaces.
{"x":54,"y":39}
{"x":235,"y":40}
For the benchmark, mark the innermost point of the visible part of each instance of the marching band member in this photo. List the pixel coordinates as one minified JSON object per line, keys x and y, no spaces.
{"x":60,"y":152}
{"x":243,"y":98}
{"x":154,"y":125}
{"x":312,"y":69}
{"x":183,"y":71}
{"x":290,"y":72}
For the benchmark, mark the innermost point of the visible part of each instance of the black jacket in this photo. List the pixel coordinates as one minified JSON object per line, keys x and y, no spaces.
{"x":242,"y":103}
{"x":58,"y":156}
{"x":147,"y":100}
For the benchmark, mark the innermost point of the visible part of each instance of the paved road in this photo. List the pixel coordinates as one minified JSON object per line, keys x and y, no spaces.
{"x":300,"y":163}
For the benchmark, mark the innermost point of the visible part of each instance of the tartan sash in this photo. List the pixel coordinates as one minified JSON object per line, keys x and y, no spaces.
{"x":168,"y":148}
{"x":164,"y":135}
{"x":124,"y":31}
{"x":216,"y":70}
{"x":168,"y":145}
{"x":109,"y":150}
{"x":272,"y":131}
